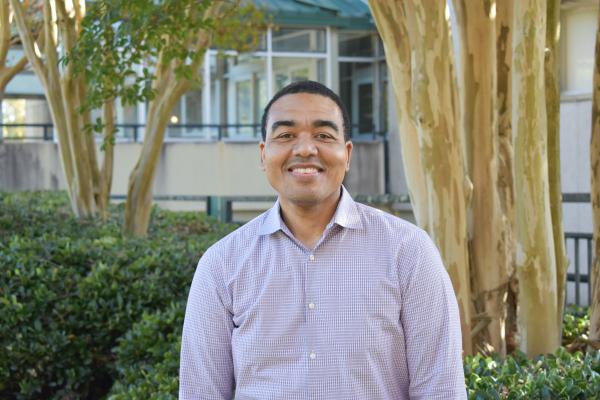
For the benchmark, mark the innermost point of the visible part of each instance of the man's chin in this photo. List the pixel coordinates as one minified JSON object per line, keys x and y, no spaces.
{"x":306,"y":198}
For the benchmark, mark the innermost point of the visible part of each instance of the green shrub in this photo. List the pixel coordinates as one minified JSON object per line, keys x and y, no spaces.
{"x":576,"y":323}
{"x":148,"y":366}
{"x":148,"y":357}
{"x":561,"y":375}
{"x":86,"y":312}
{"x":69,"y":289}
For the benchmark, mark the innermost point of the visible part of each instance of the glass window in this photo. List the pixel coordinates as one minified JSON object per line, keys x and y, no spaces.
{"x":578,"y":44}
{"x":193,"y":107}
{"x":287,"y":70}
{"x":238,"y":95}
{"x":127,"y":117}
{"x":298,"y":40}
{"x":13,"y":112}
{"x":174,"y":129}
{"x":356,"y":44}
{"x":357,"y":91}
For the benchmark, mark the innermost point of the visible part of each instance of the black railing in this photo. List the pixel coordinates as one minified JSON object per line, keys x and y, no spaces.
{"x":579,"y":277}
{"x":133,"y":132}
{"x":578,"y":247}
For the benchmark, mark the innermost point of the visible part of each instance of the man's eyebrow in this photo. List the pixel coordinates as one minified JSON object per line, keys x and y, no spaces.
{"x":320,"y":123}
{"x":285,"y":122}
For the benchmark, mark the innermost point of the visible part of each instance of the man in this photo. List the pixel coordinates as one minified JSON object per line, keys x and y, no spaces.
{"x":319,"y":297}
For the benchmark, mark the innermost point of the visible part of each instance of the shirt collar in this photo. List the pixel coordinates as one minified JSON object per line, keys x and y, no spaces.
{"x":346,"y":215}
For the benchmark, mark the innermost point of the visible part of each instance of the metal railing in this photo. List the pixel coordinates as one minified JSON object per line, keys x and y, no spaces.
{"x":577,"y":277}
{"x":133,"y":132}
{"x":221,"y":207}
{"x":578,"y":246}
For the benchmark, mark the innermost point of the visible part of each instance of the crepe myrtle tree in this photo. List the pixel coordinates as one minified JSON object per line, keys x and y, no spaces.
{"x":147,"y":51}
{"x":483,"y":157}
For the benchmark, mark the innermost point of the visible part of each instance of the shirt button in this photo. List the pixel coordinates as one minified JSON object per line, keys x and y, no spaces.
{"x":311,"y":306}
{"x":311,"y":257}
{"x":312,"y":355}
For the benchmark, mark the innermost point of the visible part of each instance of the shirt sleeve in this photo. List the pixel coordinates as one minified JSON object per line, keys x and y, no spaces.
{"x":431,"y":324}
{"x":206,"y":365}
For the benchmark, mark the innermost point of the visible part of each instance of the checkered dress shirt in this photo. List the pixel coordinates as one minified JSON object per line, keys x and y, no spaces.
{"x":369,"y":313}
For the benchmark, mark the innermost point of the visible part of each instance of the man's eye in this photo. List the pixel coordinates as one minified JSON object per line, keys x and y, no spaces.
{"x":284,"y":135}
{"x":324,"y":136}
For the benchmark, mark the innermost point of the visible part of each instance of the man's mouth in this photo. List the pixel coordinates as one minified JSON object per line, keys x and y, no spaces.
{"x":305,"y":171}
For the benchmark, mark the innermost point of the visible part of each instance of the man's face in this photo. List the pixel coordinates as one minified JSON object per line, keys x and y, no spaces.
{"x":304,"y":155}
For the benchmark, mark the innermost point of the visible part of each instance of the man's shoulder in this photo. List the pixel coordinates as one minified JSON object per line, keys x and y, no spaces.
{"x":386,"y":224}
{"x":241,"y":238}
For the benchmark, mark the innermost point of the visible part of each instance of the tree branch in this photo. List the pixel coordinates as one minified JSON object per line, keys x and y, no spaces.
{"x":27,"y":39}
{"x":5,"y":37}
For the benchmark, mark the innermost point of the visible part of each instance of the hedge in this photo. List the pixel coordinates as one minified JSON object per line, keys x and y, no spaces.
{"x":69,"y":289}
{"x":89,"y":314}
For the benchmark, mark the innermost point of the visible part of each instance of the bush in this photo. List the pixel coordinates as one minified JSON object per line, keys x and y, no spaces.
{"x":86,"y":312}
{"x":69,"y":289}
{"x":148,"y":357}
{"x":561,"y":375}
{"x":149,"y":366}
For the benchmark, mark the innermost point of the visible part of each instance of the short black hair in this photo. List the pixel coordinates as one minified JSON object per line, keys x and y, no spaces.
{"x":307,"y":87}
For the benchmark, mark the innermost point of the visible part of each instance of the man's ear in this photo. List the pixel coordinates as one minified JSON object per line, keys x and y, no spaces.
{"x":261,"y":149}
{"x":349,"y":147}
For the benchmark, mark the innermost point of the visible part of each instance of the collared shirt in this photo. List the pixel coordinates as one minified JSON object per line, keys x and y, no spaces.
{"x":369,"y":313}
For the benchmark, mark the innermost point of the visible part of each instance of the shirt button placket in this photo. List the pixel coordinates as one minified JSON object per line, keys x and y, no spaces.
{"x":312,"y":327}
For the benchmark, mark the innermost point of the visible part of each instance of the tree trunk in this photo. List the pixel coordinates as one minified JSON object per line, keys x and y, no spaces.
{"x":139,"y":190}
{"x":63,"y":94}
{"x":169,"y":89}
{"x":504,"y":26}
{"x":108,"y":115}
{"x":536,"y":259}
{"x":552,"y":84}
{"x":441,"y":151}
{"x":392,"y":26}
{"x":595,"y":193}
{"x":7,"y":72}
{"x":489,"y":262}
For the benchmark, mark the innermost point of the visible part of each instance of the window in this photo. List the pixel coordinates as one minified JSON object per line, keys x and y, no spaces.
{"x":238,"y":94}
{"x":13,"y":112}
{"x":287,"y":70}
{"x":299,"y":40}
{"x":357,"y":44}
{"x":356,"y":91}
{"x":578,"y":36}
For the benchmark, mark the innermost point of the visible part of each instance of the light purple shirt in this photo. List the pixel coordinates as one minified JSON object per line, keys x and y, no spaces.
{"x":369,"y":313}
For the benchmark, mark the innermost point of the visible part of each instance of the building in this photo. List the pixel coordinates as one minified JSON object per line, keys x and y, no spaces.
{"x":211,"y":145}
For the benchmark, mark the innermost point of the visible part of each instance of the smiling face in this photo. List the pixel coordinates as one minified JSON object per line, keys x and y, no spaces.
{"x":305,"y":155}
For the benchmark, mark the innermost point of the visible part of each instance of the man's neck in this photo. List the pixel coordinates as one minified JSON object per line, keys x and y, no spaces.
{"x":307,"y":223}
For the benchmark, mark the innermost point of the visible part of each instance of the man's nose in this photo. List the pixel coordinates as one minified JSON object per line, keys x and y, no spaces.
{"x":305,"y":146}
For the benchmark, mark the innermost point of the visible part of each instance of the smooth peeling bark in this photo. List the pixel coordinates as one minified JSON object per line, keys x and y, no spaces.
{"x":46,"y":69}
{"x":7,"y":72}
{"x":433,"y":89}
{"x":106,"y":171}
{"x":391,"y":21}
{"x":552,"y":81}
{"x":504,"y":27}
{"x":139,"y":191}
{"x":488,"y":258}
{"x":71,"y":91}
{"x":595,"y":193}
{"x":168,"y":91}
{"x":536,"y":263}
